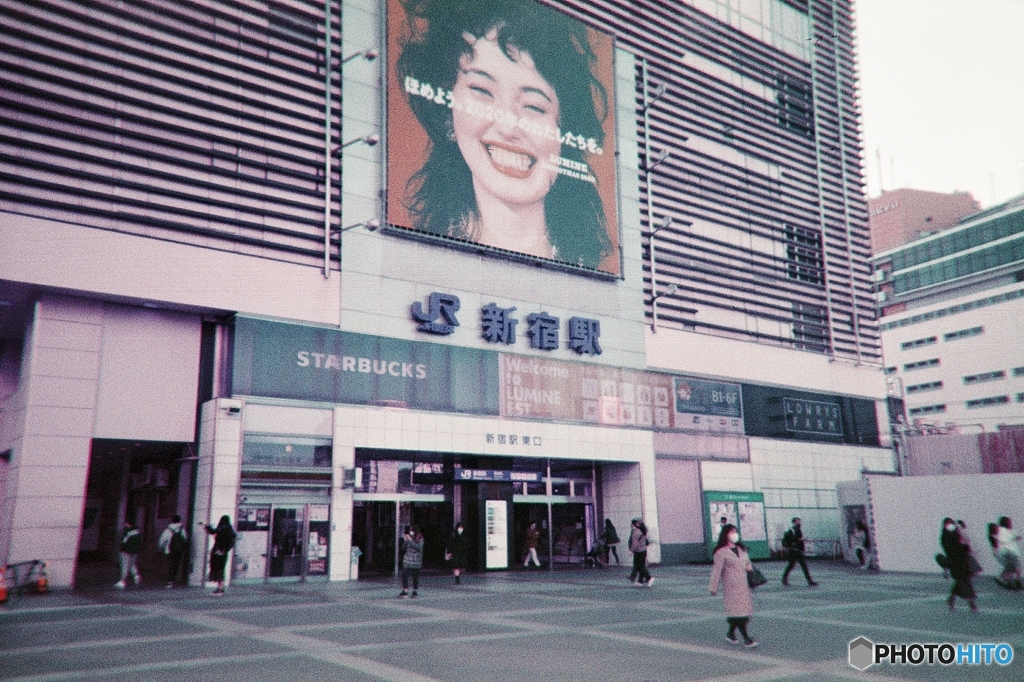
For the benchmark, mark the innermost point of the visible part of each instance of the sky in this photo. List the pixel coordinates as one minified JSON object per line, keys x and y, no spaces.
{"x":942,"y":95}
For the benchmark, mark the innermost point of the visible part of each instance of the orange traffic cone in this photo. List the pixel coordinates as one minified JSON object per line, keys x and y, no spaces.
{"x":42,"y":583}
{"x":3,"y":585}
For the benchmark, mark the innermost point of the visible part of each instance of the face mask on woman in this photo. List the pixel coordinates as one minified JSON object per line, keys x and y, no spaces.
{"x":951,"y":527}
{"x":734,"y":537}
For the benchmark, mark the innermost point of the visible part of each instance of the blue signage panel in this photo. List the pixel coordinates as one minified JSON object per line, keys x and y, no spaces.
{"x":279,"y":360}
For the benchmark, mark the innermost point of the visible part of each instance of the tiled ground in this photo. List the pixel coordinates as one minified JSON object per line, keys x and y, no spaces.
{"x":572,"y":626}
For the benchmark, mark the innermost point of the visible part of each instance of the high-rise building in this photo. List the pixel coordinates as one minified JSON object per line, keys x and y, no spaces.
{"x":951,"y":305}
{"x":335,"y":268}
{"x":903,"y":215}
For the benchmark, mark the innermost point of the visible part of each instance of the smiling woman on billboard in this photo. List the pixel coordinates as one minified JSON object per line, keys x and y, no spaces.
{"x":514,"y":116}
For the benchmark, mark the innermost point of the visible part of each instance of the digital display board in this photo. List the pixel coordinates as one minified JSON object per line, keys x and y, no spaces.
{"x":501,"y":130}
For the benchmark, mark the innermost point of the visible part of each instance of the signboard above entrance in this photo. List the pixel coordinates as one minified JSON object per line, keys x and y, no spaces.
{"x":496,"y":475}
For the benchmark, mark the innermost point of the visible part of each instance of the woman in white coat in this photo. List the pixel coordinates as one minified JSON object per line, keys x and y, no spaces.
{"x":730,"y":571}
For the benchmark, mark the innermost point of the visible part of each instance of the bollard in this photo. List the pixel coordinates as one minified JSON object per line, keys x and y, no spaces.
{"x":42,"y":582}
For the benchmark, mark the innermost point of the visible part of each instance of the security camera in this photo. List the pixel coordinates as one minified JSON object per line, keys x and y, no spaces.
{"x":370,"y":55}
{"x":371,"y":140}
{"x":372,"y":225}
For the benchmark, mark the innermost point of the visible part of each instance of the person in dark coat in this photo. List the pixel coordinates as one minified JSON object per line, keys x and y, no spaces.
{"x":793,"y":541}
{"x":457,"y":551}
{"x":611,"y":541}
{"x":531,"y":540}
{"x":730,"y":571}
{"x":957,"y":552}
{"x":412,"y":561}
{"x":223,"y":542}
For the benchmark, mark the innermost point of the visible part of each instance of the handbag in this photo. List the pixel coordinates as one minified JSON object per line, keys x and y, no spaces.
{"x":972,"y":565}
{"x":755,"y":578}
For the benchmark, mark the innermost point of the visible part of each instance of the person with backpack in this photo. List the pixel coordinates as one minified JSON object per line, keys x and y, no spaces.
{"x":638,"y":542}
{"x":131,"y":547}
{"x":223,"y":542}
{"x":793,"y":541}
{"x":412,"y":562}
{"x":174,"y":545}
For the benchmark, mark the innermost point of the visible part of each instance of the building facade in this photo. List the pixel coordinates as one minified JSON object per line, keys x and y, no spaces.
{"x":224,"y":291}
{"x":950,"y":307}
{"x":902,"y":215}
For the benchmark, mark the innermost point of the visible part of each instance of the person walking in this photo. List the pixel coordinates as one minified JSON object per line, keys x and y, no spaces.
{"x":412,"y":562}
{"x":223,"y":542}
{"x":793,"y":541}
{"x":131,"y":547}
{"x":174,"y":545}
{"x":611,"y":542}
{"x":731,"y":564}
{"x":958,"y":555}
{"x":1008,"y":553}
{"x":532,"y":538}
{"x":638,"y":542}
{"x":860,"y":543}
{"x":457,"y":551}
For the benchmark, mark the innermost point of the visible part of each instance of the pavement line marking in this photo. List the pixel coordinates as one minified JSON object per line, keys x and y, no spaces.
{"x":745,"y":655}
{"x":315,"y":648}
{"x":105,"y":673}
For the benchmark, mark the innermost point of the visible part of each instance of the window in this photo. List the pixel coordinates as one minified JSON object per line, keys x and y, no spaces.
{"x":922,"y":364}
{"x":926,"y":409}
{"x":917,"y":343}
{"x":1020,"y":397}
{"x":963,"y":334}
{"x":892,"y":370}
{"x":1018,"y":371}
{"x":930,"y":386}
{"x":987,"y":376}
{"x":988,"y":402}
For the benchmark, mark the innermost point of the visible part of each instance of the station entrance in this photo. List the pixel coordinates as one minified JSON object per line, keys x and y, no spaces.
{"x":495,"y":498}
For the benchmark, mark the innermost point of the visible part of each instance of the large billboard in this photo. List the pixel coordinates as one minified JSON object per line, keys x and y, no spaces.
{"x":501,"y":130}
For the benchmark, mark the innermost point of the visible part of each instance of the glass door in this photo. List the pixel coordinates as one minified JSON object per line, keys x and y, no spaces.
{"x":287,"y":540}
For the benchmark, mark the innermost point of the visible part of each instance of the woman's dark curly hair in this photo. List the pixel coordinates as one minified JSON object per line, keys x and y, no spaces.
{"x":440,"y":196}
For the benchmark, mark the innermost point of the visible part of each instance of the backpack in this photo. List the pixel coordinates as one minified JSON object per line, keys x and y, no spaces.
{"x":179,"y":543}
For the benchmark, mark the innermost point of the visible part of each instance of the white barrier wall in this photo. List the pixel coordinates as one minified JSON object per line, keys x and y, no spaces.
{"x":909,"y":510}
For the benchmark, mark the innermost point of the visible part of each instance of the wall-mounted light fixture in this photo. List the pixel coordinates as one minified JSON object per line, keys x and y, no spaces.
{"x":654,"y":303}
{"x":653,"y":97}
{"x":368,"y":55}
{"x":661,"y":156}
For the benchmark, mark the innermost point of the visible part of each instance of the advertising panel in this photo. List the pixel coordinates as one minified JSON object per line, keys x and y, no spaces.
{"x":572,"y":391}
{"x":501,"y":130}
{"x":745,"y":511}
{"x":497,"y":533}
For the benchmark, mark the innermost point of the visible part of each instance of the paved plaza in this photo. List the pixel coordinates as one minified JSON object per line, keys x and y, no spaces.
{"x":567,"y":626}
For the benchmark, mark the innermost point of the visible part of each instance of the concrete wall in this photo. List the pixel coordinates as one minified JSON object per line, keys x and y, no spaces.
{"x":703,"y":355}
{"x":89,"y":370}
{"x":908,"y":512}
{"x":680,"y":510}
{"x":48,"y":423}
{"x":217,"y":479}
{"x":149,"y":375}
{"x":133,"y":269}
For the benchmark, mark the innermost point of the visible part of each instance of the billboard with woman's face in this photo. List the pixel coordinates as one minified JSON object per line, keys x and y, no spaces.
{"x":501,"y":129}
